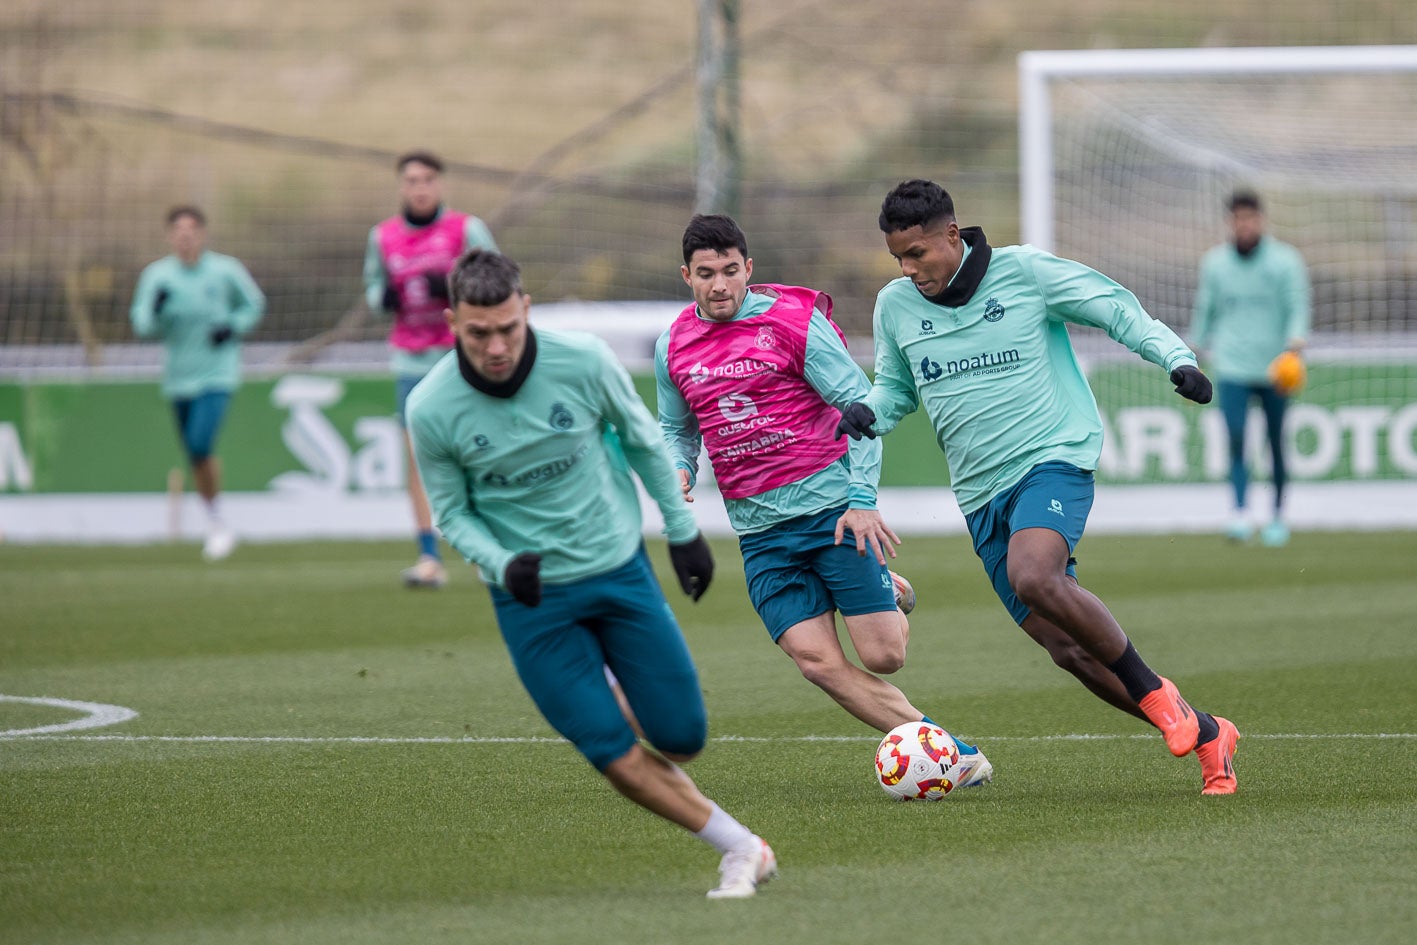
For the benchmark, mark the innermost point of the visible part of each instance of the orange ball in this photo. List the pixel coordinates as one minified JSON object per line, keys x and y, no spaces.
{"x":1287,"y":373}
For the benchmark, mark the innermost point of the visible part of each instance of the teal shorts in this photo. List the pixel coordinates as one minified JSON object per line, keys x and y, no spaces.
{"x":199,"y":421}
{"x":796,"y":571}
{"x":1052,"y":495}
{"x":620,"y":621}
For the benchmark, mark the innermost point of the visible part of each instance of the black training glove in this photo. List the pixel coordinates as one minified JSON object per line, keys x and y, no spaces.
{"x":1191,"y":384}
{"x":390,"y":302}
{"x":693,"y":563}
{"x":856,"y":421}
{"x":160,"y":300}
{"x":437,"y":285}
{"x":220,"y":335}
{"x":523,"y":578}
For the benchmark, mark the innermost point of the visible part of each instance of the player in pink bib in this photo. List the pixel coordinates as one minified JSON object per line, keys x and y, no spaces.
{"x":756,"y":376}
{"x":406,"y":264}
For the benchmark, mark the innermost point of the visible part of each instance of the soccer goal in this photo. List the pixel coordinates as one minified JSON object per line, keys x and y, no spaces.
{"x":1126,"y":159}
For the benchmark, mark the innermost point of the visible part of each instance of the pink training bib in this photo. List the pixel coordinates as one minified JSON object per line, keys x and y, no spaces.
{"x":409,"y":253}
{"x":764,"y":426}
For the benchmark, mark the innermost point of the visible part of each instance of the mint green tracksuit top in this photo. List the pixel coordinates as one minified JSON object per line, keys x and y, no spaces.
{"x":546,"y":470}
{"x":215,"y":292}
{"x":997,"y":375}
{"x":1250,"y":308}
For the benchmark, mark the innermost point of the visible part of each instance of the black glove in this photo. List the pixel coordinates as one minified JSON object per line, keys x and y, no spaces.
{"x":856,"y":422}
{"x":220,"y":335}
{"x":523,"y":578}
{"x":390,"y":302}
{"x":437,"y":285}
{"x":160,"y":300}
{"x":1191,"y":384}
{"x":693,"y":563}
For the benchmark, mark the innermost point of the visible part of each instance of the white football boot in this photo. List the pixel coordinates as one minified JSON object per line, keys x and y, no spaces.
{"x":220,"y":543}
{"x":979,"y":770}
{"x":428,"y":572}
{"x":740,"y":872}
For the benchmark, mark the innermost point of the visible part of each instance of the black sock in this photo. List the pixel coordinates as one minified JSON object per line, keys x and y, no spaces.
{"x":1210,"y":730}
{"x":1132,"y":670}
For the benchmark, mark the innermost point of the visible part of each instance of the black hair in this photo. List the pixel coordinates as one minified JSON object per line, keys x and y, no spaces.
{"x":426,"y":158}
{"x":1246,"y":199}
{"x":186,"y":210}
{"x":915,"y":203}
{"x":484,"y":278}
{"x":713,"y":231}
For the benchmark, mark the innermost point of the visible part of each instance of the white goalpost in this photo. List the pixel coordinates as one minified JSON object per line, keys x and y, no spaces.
{"x":1126,"y":158}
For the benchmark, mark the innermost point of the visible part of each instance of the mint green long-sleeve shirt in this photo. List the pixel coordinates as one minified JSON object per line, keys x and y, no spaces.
{"x":216,"y":291}
{"x":997,"y":375}
{"x":1250,"y":308}
{"x":537,"y":471}
{"x":376,"y":279}
{"x":829,"y":369}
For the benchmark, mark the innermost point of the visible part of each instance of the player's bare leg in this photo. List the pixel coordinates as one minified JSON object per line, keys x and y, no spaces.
{"x":1038,"y":559}
{"x":428,"y":571}
{"x":663,"y":788}
{"x":815,"y":648}
{"x":206,"y":476}
{"x":1069,"y":655}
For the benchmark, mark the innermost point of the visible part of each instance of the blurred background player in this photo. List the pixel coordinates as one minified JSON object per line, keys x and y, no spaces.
{"x":1252,"y":309}
{"x":199,"y":303}
{"x":759,"y":374}
{"x":977,"y":336}
{"x":406,"y":265}
{"x":510,"y":435}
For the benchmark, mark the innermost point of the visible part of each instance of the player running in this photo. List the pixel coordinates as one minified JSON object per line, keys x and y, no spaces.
{"x":406,"y":265}
{"x":511,"y":434}
{"x":757,"y":373}
{"x":976,"y":335}
{"x":200,"y":304}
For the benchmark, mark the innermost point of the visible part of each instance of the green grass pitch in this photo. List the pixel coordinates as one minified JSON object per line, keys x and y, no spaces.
{"x":158,"y":831}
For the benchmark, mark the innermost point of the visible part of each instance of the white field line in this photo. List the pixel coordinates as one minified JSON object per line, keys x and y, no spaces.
{"x":19,"y":736}
{"x":96,"y":715}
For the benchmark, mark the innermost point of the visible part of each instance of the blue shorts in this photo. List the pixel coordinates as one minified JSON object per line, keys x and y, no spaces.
{"x":198,"y":420}
{"x":403,"y":386}
{"x":618,"y":620}
{"x":1052,"y":495}
{"x":796,"y":571}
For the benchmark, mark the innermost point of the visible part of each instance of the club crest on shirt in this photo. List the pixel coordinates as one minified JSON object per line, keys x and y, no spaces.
{"x":765,"y":337}
{"x":561,"y":418}
{"x":480,"y":442}
{"x":993,"y":310}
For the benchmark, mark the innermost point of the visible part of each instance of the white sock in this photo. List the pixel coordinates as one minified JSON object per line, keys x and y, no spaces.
{"x":213,"y":513}
{"x":722,"y":832}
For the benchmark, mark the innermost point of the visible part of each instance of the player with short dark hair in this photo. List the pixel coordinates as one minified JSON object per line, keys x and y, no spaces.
{"x":1252,"y":308}
{"x":526,"y":440}
{"x":406,"y":263}
{"x":200,"y":304}
{"x":758,"y":374}
{"x":978,"y":337}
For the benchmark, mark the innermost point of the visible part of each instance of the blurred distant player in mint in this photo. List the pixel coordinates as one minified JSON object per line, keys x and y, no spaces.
{"x":977,"y":336}
{"x":199,"y":303}
{"x":1253,"y":305}
{"x":526,"y":440}
{"x":406,"y":267}
{"x":758,"y":373}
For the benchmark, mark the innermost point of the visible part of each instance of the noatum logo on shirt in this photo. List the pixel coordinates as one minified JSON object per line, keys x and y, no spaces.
{"x":998,"y":362}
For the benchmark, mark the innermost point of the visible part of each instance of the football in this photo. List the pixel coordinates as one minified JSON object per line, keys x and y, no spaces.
{"x":918,"y":761}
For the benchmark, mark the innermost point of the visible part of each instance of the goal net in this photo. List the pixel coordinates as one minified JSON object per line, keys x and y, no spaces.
{"x":1127,"y":158}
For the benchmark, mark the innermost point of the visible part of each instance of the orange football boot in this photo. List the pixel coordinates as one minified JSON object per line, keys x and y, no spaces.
{"x":1217,"y":759}
{"x":1166,"y":710}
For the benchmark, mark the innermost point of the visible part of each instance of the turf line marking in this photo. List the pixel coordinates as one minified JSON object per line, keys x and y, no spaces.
{"x":37,"y":735}
{"x":97,"y":715}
